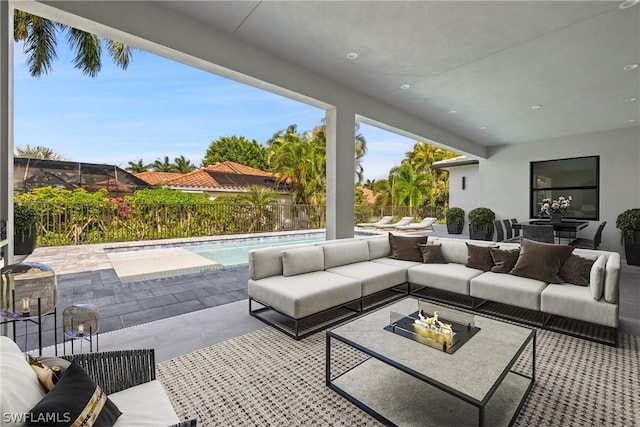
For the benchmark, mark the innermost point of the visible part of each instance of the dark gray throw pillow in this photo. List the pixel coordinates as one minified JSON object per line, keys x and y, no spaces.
{"x":479,"y":257}
{"x":576,"y":270}
{"x":504,"y":259}
{"x":432,"y":254}
{"x":406,"y":247}
{"x":541,"y":261}
{"x":76,"y":400}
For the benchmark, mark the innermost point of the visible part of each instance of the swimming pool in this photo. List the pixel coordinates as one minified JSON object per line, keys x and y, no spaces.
{"x":235,"y":252}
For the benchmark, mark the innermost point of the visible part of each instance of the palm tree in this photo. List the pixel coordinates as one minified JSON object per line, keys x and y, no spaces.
{"x":370,"y":184}
{"x":38,"y":152}
{"x":40,"y":40}
{"x":301,"y":160}
{"x":137,"y":167}
{"x":163,"y":166}
{"x":421,"y":158}
{"x":182,"y":165}
{"x":260,"y":198}
{"x":410,"y":187}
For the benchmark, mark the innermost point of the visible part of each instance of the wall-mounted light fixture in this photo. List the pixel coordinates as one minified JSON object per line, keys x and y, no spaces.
{"x":464,"y":182}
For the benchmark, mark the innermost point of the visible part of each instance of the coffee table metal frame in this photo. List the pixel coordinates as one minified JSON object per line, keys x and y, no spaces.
{"x":480,"y":404}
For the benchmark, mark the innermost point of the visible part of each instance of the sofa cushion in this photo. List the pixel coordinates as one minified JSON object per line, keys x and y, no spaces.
{"x":305,"y":294}
{"x":479,"y":257}
{"x":46,"y":375}
{"x":375,"y":276}
{"x":576,"y":270}
{"x":76,"y":400}
{"x":454,"y":251}
{"x":302,"y":260}
{"x":397,"y":262}
{"x":596,"y":278}
{"x":345,"y":253}
{"x":20,"y":389}
{"x":144,"y":405}
{"x":267,"y":262}
{"x":612,"y":278}
{"x":406,"y":247}
{"x":379,"y":247}
{"x":576,"y":302}
{"x":449,"y":277}
{"x":432,"y":254}
{"x":508,"y":289}
{"x":541,"y":261}
{"x":504,"y":260}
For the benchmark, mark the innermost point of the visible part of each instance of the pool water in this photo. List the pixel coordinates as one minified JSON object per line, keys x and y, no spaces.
{"x":231,"y":253}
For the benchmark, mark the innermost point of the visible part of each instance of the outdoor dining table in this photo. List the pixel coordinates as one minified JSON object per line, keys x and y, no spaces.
{"x":565,"y":229}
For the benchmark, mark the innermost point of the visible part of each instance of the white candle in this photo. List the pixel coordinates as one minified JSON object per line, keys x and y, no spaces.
{"x":81,"y":329}
{"x":25,"y":305}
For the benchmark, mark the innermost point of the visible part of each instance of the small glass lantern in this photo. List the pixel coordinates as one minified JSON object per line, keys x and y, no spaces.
{"x":27,"y":290}
{"x":80,"y":320}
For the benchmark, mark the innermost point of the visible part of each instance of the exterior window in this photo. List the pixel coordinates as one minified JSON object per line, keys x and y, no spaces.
{"x":577,"y":177}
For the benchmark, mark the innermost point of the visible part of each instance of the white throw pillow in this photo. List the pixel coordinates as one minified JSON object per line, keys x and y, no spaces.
{"x":596,"y":279}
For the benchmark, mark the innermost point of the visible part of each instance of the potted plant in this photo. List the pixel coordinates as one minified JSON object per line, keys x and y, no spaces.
{"x":629,"y":224}
{"x":455,"y":220}
{"x":481,"y":223}
{"x":25,"y":220}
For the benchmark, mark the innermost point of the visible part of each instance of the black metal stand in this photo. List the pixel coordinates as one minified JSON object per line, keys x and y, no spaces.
{"x":26,"y":317}
{"x":83,"y":337}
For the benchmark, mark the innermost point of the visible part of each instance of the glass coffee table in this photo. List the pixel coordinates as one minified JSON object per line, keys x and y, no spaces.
{"x":401,"y":381}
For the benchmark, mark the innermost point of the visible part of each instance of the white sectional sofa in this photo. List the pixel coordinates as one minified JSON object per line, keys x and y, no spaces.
{"x":305,"y":280}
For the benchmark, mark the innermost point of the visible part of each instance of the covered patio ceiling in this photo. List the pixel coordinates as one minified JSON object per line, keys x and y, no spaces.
{"x":489,"y":61}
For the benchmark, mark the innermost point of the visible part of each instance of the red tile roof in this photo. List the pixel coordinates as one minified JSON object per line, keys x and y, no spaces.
{"x":232,"y":167}
{"x":154,"y":178}
{"x":225,"y":175}
{"x":197,"y":178}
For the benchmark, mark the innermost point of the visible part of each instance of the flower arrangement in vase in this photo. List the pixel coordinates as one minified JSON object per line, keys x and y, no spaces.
{"x":554,"y":209}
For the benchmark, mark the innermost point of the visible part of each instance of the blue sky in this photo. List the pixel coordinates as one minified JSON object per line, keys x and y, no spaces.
{"x":157,"y":108}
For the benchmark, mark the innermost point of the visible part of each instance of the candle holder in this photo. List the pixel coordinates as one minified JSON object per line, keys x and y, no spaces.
{"x":80,"y":322}
{"x":28,"y":293}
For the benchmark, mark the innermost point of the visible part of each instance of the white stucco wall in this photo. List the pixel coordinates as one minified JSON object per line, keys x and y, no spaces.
{"x":504,"y":176}
{"x":469,"y":198}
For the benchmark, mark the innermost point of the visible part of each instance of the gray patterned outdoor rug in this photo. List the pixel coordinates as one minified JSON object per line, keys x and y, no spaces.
{"x":267,"y":378}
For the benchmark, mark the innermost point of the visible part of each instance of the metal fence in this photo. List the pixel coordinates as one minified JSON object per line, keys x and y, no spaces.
{"x":75,"y":224}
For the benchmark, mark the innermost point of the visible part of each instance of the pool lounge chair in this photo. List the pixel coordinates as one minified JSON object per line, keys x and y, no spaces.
{"x":384,"y":220}
{"x":404,"y":221}
{"x":425,"y":224}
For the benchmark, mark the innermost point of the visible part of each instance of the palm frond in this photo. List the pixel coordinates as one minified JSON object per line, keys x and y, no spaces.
{"x":120,"y":53}
{"x":88,"y":48}
{"x":40,"y":44}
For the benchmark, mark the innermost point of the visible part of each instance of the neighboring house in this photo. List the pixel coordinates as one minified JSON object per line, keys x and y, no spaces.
{"x":29,"y":174}
{"x":369,"y":195}
{"x":221,"y":179}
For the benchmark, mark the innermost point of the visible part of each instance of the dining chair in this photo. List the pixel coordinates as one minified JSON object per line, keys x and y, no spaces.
{"x":516,"y":231}
{"x":594,"y":243}
{"x":508,"y":230}
{"x":540,"y":233}
{"x":499,"y":231}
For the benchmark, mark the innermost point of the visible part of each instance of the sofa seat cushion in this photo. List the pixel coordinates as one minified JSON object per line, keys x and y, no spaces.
{"x":508,"y":289}
{"x":449,"y":277}
{"x":575,"y":302}
{"x":144,"y":405}
{"x":397,"y":262}
{"x":375,"y":276}
{"x":20,"y":389}
{"x":305,"y":294}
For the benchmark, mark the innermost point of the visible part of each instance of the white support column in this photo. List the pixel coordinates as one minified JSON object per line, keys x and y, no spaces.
{"x":6,"y":124}
{"x":340,"y":172}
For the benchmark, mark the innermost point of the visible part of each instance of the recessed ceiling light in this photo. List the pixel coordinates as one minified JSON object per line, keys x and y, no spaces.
{"x":628,"y":3}
{"x":629,"y":121}
{"x":451,"y":112}
{"x":536,"y":107}
{"x":352,"y":55}
{"x":630,"y":67}
{"x":482,"y":127}
{"x":405,"y":86}
{"x":634,"y":99}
